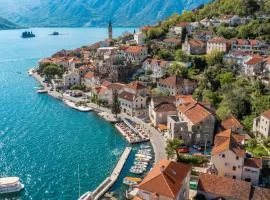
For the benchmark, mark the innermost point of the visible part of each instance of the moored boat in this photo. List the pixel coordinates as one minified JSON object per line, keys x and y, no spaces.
{"x":42,"y":91}
{"x":10,"y":185}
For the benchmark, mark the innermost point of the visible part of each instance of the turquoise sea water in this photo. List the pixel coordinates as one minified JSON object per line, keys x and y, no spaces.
{"x":41,"y":140}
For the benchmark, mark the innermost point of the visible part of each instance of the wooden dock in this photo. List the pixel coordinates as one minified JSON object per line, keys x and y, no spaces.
{"x":109,"y":181}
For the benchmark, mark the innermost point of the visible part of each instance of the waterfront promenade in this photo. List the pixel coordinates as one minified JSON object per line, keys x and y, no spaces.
{"x":109,"y":181}
{"x":157,"y":140}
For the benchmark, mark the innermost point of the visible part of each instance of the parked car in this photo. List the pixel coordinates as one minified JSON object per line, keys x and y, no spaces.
{"x":183,"y":149}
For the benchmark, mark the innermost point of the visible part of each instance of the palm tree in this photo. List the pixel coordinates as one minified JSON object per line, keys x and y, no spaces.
{"x":172,"y":148}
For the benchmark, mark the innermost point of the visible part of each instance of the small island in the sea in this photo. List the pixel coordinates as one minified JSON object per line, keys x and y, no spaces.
{"x":28,"y":34}
{"x":55,"y":33}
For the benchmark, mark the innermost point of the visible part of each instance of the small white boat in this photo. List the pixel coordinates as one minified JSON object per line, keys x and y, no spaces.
{"x":80,"y":108}
{"x":10,"y":184}
{"x":42,"y":91}
{"x":30,"y":72}
{"x":143,"y":156}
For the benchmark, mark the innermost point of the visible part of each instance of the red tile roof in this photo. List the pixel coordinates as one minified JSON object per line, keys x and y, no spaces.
{"x":224,"y":187}
{"x":182,"y":24}
{"x":134,"y":49}
{"x":166,"y":178}
{"x":266,"y":114}
{"x":253,"y":162}
{"x":165,"y":107}
{"x":254,"y":60}
{"x":136,"y":85}
{"x":175,"y":81}
{"x":231,"y":122}
{"x":161,"y":63}
{"x":218,"y":40}
{"x":89,"y":75}
{"x":195,"y":112}
{"x":127,"y":96}
{"x":196,"y":43}
{"x":226,"y":140}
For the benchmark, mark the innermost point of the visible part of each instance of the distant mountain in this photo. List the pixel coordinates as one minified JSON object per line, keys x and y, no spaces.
{"x":92,"y":12}
{"x":6,"y":24}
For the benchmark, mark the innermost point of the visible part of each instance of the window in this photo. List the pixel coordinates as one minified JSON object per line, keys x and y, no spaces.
{"x":234,"y":168}
{"x":237,"y":157}
{"x":223,"y":155}
{"x":234,"y":177}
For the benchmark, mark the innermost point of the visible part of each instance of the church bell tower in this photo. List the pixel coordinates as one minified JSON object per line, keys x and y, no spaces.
{"x":110,"y":31}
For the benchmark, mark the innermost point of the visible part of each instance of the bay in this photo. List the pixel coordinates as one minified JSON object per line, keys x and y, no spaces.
{"x":42,"y":141}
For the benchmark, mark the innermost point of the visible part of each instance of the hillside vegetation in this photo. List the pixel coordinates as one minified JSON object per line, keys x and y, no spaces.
{"x":5,"y":24}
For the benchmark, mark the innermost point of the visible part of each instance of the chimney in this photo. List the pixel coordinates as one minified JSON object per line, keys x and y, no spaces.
{"x":162,"y":168}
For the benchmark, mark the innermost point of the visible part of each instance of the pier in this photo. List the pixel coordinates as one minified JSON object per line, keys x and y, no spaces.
{"x":109,"y":181}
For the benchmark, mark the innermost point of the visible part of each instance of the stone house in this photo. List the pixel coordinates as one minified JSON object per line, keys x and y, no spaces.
{"x":218,"y":44}
{"x":90,"y":80}
{"x":167,"y":180}
{"x":250,"y":46}
{"x":157,"y":67}
{"x":179,"y":28}
{"x":253,"y":66}
{"x":232,"y":123}
{"x":160,"y":108}
{"x":132,"y":104}
{"x":194,"y":47}
{"x":194,"y":123}
{"x":139,"y":37}
{"x":176,"y":85}
{"x":71,"y":79}
{"x":135,"y":54}
{"x":261,"y":124}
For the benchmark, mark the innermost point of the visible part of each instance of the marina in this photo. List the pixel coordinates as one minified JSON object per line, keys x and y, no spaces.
{"x":109,"y":181}
{"x":133,"y":134}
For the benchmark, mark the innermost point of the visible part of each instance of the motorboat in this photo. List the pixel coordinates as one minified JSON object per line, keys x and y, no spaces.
{"x":10,"y":185}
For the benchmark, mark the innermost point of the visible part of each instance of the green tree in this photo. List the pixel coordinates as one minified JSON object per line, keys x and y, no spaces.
{"x":157,"y":92}
{"x":181,"y":56}
{"x":252,"y":143}
{"x":51,"y":70}
{"x":116,"y":107}
{"x":172,"y":148}
{"x":177,"y":69}
{"x":214,"y":58}
{"x":225,"y":78}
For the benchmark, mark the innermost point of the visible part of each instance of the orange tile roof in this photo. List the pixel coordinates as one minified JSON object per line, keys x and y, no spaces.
{"x":266,"y":114}
{"x":172,"y":40}
{"x":165,"y":107}
{"x":254,"y":60}
{"x":175,"y":81}
{"x":116,"y":86}
{"x":166,"y":178}
{"x":231,"y":122}
{"x":137,"y":198}
{"x":89,"y":75}
{"x":134,"y":49}
{"x":127,"y":96}
{"x":136,"y":85}
{"x":224,"y":187}
{"x":182,"y":24}
{"x":196,"y":43}
{"x":218,"y":40}
{"x":185,"y":99}
{"x":160,"y":63}
{"x":253,"y":162}
{"x":195,"y":112}
{"x":226,"y":140}
{"x":162,"y":127}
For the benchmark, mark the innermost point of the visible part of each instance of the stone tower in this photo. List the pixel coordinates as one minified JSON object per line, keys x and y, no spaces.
{"x":110,"y":31}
